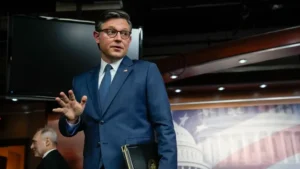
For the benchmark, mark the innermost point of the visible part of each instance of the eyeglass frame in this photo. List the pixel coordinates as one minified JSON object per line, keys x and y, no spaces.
{"x":113,"y":36}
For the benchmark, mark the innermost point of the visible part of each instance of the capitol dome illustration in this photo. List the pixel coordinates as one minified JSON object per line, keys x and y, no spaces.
{"x":190,"y":156}
{"x":238,"y":137}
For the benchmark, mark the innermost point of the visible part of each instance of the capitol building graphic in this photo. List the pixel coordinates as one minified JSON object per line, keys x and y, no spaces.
{"x":189,"y":155}
{"x":256,"y":137}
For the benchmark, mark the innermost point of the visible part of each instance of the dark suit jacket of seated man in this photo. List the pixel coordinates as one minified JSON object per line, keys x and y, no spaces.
{"x":129,"y":111}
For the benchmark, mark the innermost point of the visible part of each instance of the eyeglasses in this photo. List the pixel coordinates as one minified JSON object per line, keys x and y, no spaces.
{"x":113,"y":33}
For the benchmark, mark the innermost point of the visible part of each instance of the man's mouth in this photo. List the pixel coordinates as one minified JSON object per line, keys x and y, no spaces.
{"x":117,"y":47}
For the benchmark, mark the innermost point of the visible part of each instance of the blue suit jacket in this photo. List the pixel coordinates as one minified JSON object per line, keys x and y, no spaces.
{"x":136,"y":111}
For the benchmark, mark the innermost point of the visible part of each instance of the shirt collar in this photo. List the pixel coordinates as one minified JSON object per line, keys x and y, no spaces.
{"x":115,"y":65}
{"x":48,"y":152}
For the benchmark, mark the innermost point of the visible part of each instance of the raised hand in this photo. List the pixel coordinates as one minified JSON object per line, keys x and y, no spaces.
{"x":69,"y":106}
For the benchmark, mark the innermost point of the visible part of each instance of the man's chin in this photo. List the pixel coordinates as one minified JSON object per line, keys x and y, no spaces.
{"x":36,"y":155}
{"x":114,"y":56}
{"x":117,"y":55}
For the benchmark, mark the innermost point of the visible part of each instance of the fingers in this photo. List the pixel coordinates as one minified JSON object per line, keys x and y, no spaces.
{"x":83,"y":100}
{"x":60,"y":102}
{"x":58,"y":110}
{"x":63,"y":97}
{"x":71,"y":95}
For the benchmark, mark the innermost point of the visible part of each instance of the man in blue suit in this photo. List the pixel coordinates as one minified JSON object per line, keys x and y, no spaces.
{"x":119,"y":102}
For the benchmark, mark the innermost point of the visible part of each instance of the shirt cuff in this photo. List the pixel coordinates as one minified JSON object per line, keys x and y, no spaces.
{"x":71,"y":124}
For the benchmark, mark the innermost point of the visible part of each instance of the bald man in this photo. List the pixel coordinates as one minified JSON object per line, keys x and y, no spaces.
{"x":44,"y":146}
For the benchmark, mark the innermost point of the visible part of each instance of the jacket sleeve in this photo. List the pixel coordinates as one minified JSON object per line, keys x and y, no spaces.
{"x":161,"y":118}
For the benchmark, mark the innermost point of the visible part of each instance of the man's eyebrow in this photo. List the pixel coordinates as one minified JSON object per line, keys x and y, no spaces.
{"x":111,"y":27}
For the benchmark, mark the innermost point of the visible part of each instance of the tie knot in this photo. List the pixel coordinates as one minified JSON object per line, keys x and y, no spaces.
{"x":107,"y":68}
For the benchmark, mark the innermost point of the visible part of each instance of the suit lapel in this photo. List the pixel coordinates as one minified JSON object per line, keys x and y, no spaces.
{"x":123,"y":72}
{"x":93,"y":90}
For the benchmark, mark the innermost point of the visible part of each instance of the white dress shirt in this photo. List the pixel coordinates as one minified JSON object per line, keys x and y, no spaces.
{"x":113,"y":71}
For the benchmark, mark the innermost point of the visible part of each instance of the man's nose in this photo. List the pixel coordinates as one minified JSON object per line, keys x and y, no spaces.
{"x":118,"y":37}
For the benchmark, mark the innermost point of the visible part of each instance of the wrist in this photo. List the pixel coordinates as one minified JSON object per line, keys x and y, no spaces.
{"x":73,"y":121}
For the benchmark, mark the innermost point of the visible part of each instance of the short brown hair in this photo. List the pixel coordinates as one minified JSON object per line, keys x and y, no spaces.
{"x":112,"y":14}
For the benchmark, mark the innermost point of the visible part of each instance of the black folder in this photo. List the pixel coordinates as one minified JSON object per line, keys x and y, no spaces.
{"x":141,"y":156}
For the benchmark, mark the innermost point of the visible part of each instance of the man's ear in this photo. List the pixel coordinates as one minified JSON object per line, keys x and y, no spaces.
{"x":96,"y":36}
{"x":48,"y":142}
{"x":130,"y":38}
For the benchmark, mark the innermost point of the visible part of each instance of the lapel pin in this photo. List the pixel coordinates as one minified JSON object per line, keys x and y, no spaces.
{"x":125,"y":70}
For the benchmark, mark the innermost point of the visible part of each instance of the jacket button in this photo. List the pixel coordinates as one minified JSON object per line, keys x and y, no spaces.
{"x":99,"y":144}
{"x":101,"y":122}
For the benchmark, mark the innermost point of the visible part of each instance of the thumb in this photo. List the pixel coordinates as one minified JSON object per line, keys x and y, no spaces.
{"x":83,"y":100}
